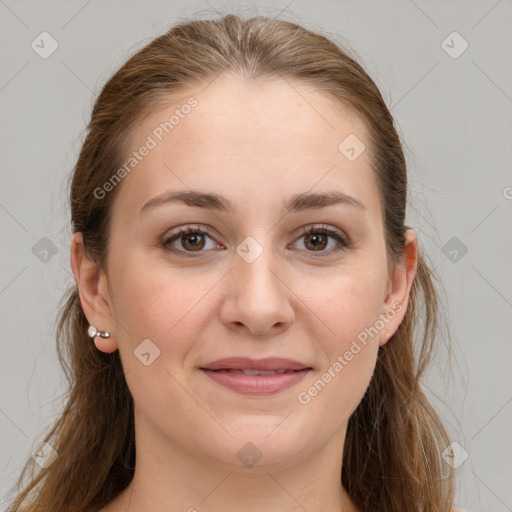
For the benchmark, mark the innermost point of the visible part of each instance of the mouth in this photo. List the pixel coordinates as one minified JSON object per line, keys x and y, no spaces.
{"x":251,"y":377}
{"x":253,"y":372}
{"x":277,"y":364}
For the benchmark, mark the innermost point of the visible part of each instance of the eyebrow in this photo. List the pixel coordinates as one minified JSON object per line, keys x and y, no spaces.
{"x":297,"y":203}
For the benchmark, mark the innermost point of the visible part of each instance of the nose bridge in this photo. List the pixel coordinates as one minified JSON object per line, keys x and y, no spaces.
{"x":260,"y":298}
{"x":257,"y":263}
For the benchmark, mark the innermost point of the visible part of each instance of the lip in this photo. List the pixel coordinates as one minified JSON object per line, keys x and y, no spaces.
{"x":219,"y":372}
{"x":246,"y":363}
{"x":256,"y":384}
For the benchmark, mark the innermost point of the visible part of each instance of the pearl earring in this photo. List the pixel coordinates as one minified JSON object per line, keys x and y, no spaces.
{"x":93,"y":332}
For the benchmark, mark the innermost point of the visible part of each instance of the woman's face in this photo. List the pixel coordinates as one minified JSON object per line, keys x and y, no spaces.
{"x":253,"y":285}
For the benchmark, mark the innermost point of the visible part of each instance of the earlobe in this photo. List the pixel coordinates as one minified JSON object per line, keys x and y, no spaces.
{"x":91,"y":283}
{"x":105,"y":345}
{"x":400,"y":283}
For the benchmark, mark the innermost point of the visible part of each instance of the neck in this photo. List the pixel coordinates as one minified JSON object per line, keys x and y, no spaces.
{"x":170,"y":479}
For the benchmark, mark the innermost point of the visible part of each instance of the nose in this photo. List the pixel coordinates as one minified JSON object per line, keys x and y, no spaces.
{"x":258,"y":297}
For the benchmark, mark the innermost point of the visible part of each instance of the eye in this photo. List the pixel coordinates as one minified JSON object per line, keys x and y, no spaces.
{"x":316,"y":238}
{"x":192,"y":240}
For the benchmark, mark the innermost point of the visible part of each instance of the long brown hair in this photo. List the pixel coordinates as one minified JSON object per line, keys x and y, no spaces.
{"x":392,"y":455}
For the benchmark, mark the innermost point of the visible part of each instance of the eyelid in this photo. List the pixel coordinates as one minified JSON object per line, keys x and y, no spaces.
{"x":185,"y":230}
{"x":343,"y":240}
{"x":331,"y":230}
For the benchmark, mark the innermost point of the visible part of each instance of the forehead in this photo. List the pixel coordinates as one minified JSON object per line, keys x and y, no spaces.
{"x":241,"y":137}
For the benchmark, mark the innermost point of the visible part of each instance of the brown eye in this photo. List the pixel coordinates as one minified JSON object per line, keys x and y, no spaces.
{"x":316,"y":241}
{"x":189,"y":240}
{"x":193,"y":241}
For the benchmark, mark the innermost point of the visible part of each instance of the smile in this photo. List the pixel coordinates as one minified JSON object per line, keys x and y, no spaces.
{"x":256,"y":382}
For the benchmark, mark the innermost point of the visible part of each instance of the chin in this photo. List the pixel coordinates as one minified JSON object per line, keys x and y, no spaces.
{"x":262,"y":448}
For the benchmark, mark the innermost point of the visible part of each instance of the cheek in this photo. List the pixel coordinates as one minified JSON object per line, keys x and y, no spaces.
{"x":348,"y":300}
{"x":349,"y":308}
{"x":156,"y":302}
{"x":140,"y":307}
{"x":164,"y":307}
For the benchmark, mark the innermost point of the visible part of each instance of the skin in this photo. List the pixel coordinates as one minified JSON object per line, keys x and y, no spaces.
{"x":256,"y":144}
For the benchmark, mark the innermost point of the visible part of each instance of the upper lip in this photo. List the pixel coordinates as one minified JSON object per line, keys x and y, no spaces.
{"x":246,"y":363}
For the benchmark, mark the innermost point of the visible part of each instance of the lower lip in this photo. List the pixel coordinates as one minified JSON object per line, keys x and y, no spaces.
{"x":256,"y":384}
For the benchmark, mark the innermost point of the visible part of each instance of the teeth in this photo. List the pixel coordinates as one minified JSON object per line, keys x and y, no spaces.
{"x":265,"y":372}
{"x":252,"y":372}
{"x":260,"y":372}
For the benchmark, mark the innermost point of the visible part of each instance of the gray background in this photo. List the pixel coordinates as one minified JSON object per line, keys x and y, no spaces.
{"x":454,"y":115}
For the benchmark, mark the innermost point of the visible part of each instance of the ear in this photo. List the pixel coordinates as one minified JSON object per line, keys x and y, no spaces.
{"x":94,"y":297}
{"x":399,"y":287}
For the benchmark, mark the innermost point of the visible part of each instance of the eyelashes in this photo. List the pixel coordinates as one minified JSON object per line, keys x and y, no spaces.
{"x":189,"y":233}
{"x":342,"y":240}
{"x":184,"y":232}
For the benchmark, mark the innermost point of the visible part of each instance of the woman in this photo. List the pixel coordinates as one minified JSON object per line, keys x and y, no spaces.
{"x":246,"y":311}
